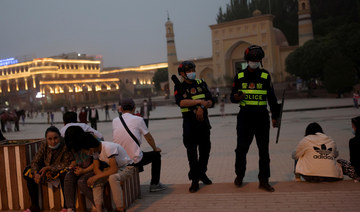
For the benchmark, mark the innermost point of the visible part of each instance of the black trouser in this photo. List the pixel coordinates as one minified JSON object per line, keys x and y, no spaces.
{"x":196,"y":139}
{"x":146,"y":122}
{"x":93,"y":123}
{"x":155,"y":159}
{"x":250,"y":123}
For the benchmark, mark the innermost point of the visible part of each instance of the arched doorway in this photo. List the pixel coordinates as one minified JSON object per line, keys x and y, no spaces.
{"x":234,"y":58}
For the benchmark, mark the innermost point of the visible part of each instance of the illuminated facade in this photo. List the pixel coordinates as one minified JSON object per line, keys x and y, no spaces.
{"x":72,"y":81}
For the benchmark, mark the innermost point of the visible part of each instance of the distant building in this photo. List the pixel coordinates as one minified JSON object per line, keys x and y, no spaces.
{"x":72,"y":79}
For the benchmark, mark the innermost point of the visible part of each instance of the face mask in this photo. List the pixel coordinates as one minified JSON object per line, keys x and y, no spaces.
{"x":253,"y":65}
{"x":353,"y":131}
{"x":191,"y":75}
{"x":55,"y":147}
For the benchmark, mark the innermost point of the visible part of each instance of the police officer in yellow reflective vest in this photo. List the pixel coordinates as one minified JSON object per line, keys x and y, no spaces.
{"x":194,"y":98}
{"x":252,"y":89}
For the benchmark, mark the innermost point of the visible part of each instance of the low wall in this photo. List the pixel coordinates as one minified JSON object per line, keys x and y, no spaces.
{"x":15,"y":155}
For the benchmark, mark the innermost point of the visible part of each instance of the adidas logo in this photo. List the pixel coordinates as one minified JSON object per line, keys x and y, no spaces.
{"x":324,"y":152}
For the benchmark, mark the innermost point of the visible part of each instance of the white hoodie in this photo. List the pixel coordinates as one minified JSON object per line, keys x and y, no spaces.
{"x":316,"y":157}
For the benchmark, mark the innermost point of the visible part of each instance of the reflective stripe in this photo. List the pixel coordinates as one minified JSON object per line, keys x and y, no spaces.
{"x":198,"y":81}
{"x":262,"y":92}
{"x":200,"y":96}
{"x":185,"y":109}
{"x":240,"y":75}
{"x":245,"y":102}
{"x":264,"y":75}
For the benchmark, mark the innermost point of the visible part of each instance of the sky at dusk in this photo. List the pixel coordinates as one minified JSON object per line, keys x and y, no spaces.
{"x":125,"y":32}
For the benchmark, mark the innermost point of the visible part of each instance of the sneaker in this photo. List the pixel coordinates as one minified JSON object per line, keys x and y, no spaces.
{"x":205,"y":180}
{"x":157,"y":187}
{"x":194,"y":187}
{"x":238,"y":182}
{"x":297,"y":179}
{"x":266,"y":187}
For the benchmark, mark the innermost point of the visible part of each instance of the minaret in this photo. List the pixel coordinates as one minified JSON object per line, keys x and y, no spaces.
{"x":171,"y":53}
{"x":305,"y":23}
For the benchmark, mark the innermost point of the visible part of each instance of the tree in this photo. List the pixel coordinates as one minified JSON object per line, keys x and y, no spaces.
{"x":339,"y":74}
{"x":161,"y":75}
{"x":333,"y":59}
{"x":307,"y":61}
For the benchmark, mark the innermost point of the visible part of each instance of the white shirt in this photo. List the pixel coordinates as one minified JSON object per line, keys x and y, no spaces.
{"x":146,"y":112}
{"x":84,"y":126}
{"x":93,"y":113}
{"x":137,"y":126}
{"x":110,"y":149}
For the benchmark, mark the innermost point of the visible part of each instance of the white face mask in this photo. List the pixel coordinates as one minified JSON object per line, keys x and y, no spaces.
{"x":55,"y":147}
{"x":253,"y":65}
{"x":191,"y":75}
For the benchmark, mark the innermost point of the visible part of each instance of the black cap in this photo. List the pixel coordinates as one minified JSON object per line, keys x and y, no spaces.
{"x":127,"y":104}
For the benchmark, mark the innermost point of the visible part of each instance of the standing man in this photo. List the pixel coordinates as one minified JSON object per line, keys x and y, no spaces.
{"x":93,"y":117}
{"x":145,"y":112}
{"x":194,"y":98}
{"x":253,"y":89}
{"x":128,"y":131}
{"x":107,"y":115}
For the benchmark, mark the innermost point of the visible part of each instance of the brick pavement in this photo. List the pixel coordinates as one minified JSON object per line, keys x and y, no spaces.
{"x":289,"y":196}
{"x":222,"y":195}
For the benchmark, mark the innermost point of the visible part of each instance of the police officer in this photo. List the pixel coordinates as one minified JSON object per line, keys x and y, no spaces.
{"x":253,"y":89}
{"x":194,"y":98}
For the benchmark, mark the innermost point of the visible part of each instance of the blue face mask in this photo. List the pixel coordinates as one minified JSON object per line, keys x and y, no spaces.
{"x":191,"y":75}
{"x":253,"y":65}
{"x":353,"y":131}
{"x":55,"y":147}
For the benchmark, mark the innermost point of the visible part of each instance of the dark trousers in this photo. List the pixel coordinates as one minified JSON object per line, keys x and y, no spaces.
{"x":70,"y":188}
{"x":196,"y":139}
{"x":155,"y":159}
{"x":146,"y":122}
{"x":250,"y":124}
{"x":93,"y":123}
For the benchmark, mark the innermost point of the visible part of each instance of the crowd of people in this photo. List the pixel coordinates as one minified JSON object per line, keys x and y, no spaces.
{"x":78,"y":155}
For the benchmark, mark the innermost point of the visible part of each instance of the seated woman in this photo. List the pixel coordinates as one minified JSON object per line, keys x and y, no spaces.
{"x":352,"y":168}
{"x":315,"y":155}
{"x":112,"y":155}
{"x":49,"y":165}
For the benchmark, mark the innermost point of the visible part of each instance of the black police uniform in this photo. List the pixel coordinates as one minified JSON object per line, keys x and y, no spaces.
{"x":196,"y":134}
{"x":253,"y":118}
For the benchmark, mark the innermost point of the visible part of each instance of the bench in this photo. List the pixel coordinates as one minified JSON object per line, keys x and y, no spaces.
{"x":130,"y":186}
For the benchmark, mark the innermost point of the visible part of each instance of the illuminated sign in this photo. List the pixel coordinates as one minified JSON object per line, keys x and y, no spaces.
{"x":8,"y":61}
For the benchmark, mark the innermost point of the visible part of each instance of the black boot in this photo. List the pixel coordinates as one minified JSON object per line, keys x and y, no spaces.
{"x":194,"y":186}
{"x":264,"y":184}
{"x":238,"y":181}
{"x":205,"y":180}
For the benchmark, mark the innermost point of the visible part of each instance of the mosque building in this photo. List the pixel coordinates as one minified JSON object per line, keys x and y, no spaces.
{"x":229,"y":41}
